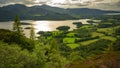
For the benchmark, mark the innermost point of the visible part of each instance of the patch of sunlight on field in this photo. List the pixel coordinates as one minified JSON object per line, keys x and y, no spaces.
{"x":94,"y":34}
{"x":88,"y":42}
{"x":69,"y":40}
{"x":108,"y":38}
{"x":73,"y":45}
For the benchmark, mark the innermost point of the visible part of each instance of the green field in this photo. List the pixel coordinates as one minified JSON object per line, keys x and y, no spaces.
{"x":108,"y":38}
{"x":94,"y":34}
{"x":73,"y":45}
{"x":88,"y":42}
{"x":70,"y":34}
{"x":106,"y":30}
{"x":69,"y":40}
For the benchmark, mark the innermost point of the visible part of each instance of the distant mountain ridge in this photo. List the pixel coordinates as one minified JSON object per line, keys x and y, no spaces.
{"x":45,"y":12}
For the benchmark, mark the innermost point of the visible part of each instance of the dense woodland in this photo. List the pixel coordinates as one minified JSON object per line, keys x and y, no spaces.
{"x":94,"y":45}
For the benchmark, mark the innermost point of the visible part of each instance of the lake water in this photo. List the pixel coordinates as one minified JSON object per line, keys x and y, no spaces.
{"x":112,"y":14}
{"x":43,"y":25}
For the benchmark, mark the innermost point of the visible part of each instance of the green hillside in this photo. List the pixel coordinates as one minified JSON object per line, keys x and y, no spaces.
{"x":88,"y":46}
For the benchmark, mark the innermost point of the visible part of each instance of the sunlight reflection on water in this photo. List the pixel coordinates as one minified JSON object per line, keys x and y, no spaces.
{"x":42,"y":26}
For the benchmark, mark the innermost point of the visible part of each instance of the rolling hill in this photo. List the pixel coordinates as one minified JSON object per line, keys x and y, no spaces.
{"x":45,"y":12}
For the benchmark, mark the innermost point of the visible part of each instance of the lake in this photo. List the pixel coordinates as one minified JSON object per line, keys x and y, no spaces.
{"x":43,"y":25}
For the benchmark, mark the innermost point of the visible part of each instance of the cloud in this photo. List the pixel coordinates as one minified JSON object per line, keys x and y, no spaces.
{"x":99,"y":4}
{"x":14,"y":1}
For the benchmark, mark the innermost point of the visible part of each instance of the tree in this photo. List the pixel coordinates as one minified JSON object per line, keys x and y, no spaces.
{"x":54,"y":58}
{"x":17,"y":25}
{"x":75,"y":56}
{"x":78,"y":24}
{"x":32,"y":33}
{"x":117,"y":31}
{"x":63,"y":28}
{"x":39,"y":52}
{"x":82,"y":32}
{"x":116,"y":45}
{"x":11,"y":37}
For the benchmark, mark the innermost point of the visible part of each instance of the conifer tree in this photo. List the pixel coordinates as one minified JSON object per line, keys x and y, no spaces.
{"x":32,"y":33}
{"x":17,"y":25}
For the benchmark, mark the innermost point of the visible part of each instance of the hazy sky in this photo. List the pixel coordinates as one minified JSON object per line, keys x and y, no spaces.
{"x":99,"y":4}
